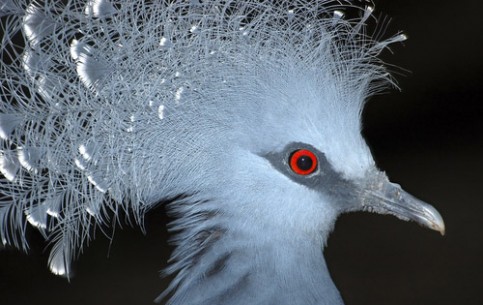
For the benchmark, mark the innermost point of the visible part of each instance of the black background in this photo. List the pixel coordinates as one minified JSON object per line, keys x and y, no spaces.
{"x":428,"y":138}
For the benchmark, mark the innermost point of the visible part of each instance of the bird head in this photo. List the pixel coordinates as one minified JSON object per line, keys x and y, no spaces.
{"x":298,"y":160}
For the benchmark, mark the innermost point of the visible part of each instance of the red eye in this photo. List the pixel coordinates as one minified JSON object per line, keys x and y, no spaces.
{"x":303,"y":162}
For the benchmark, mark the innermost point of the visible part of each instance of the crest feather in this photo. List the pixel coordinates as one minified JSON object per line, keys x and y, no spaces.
{"x":108,"y":105}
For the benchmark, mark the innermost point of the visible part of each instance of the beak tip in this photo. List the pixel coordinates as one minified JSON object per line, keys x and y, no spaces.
{"x":434,"y":219}
{"x":440,"y":228}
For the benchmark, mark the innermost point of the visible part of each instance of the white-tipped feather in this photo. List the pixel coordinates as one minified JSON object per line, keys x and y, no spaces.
{"x":9,"y":166}
{"x":8,"y":122}
{"x":37,"y":216}
{"x":37,"y":25}
{"x":117,"y":105}
{"x":100,"y":8}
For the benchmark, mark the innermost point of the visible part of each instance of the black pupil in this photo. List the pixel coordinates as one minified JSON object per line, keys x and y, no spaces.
{"x":304,"y":163}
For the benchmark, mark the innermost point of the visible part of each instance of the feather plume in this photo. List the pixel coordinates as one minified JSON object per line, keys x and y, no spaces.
{"x":116,"y":105}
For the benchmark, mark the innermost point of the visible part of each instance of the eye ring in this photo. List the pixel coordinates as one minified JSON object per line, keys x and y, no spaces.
{"x":303,"y":162}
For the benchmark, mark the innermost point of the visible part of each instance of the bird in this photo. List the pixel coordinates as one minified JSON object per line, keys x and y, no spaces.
{"x":243,"y":118}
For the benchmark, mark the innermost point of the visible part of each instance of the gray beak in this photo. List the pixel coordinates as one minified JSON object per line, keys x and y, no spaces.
{"x":384,"y":197}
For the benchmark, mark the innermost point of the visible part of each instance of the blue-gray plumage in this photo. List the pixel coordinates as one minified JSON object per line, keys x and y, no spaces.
{"x":244,"y":114}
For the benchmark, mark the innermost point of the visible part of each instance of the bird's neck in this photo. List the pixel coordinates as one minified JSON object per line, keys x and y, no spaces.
{"x":241,"y":269}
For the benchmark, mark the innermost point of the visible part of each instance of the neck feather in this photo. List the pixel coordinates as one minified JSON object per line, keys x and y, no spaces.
{"x":217,"y":266}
